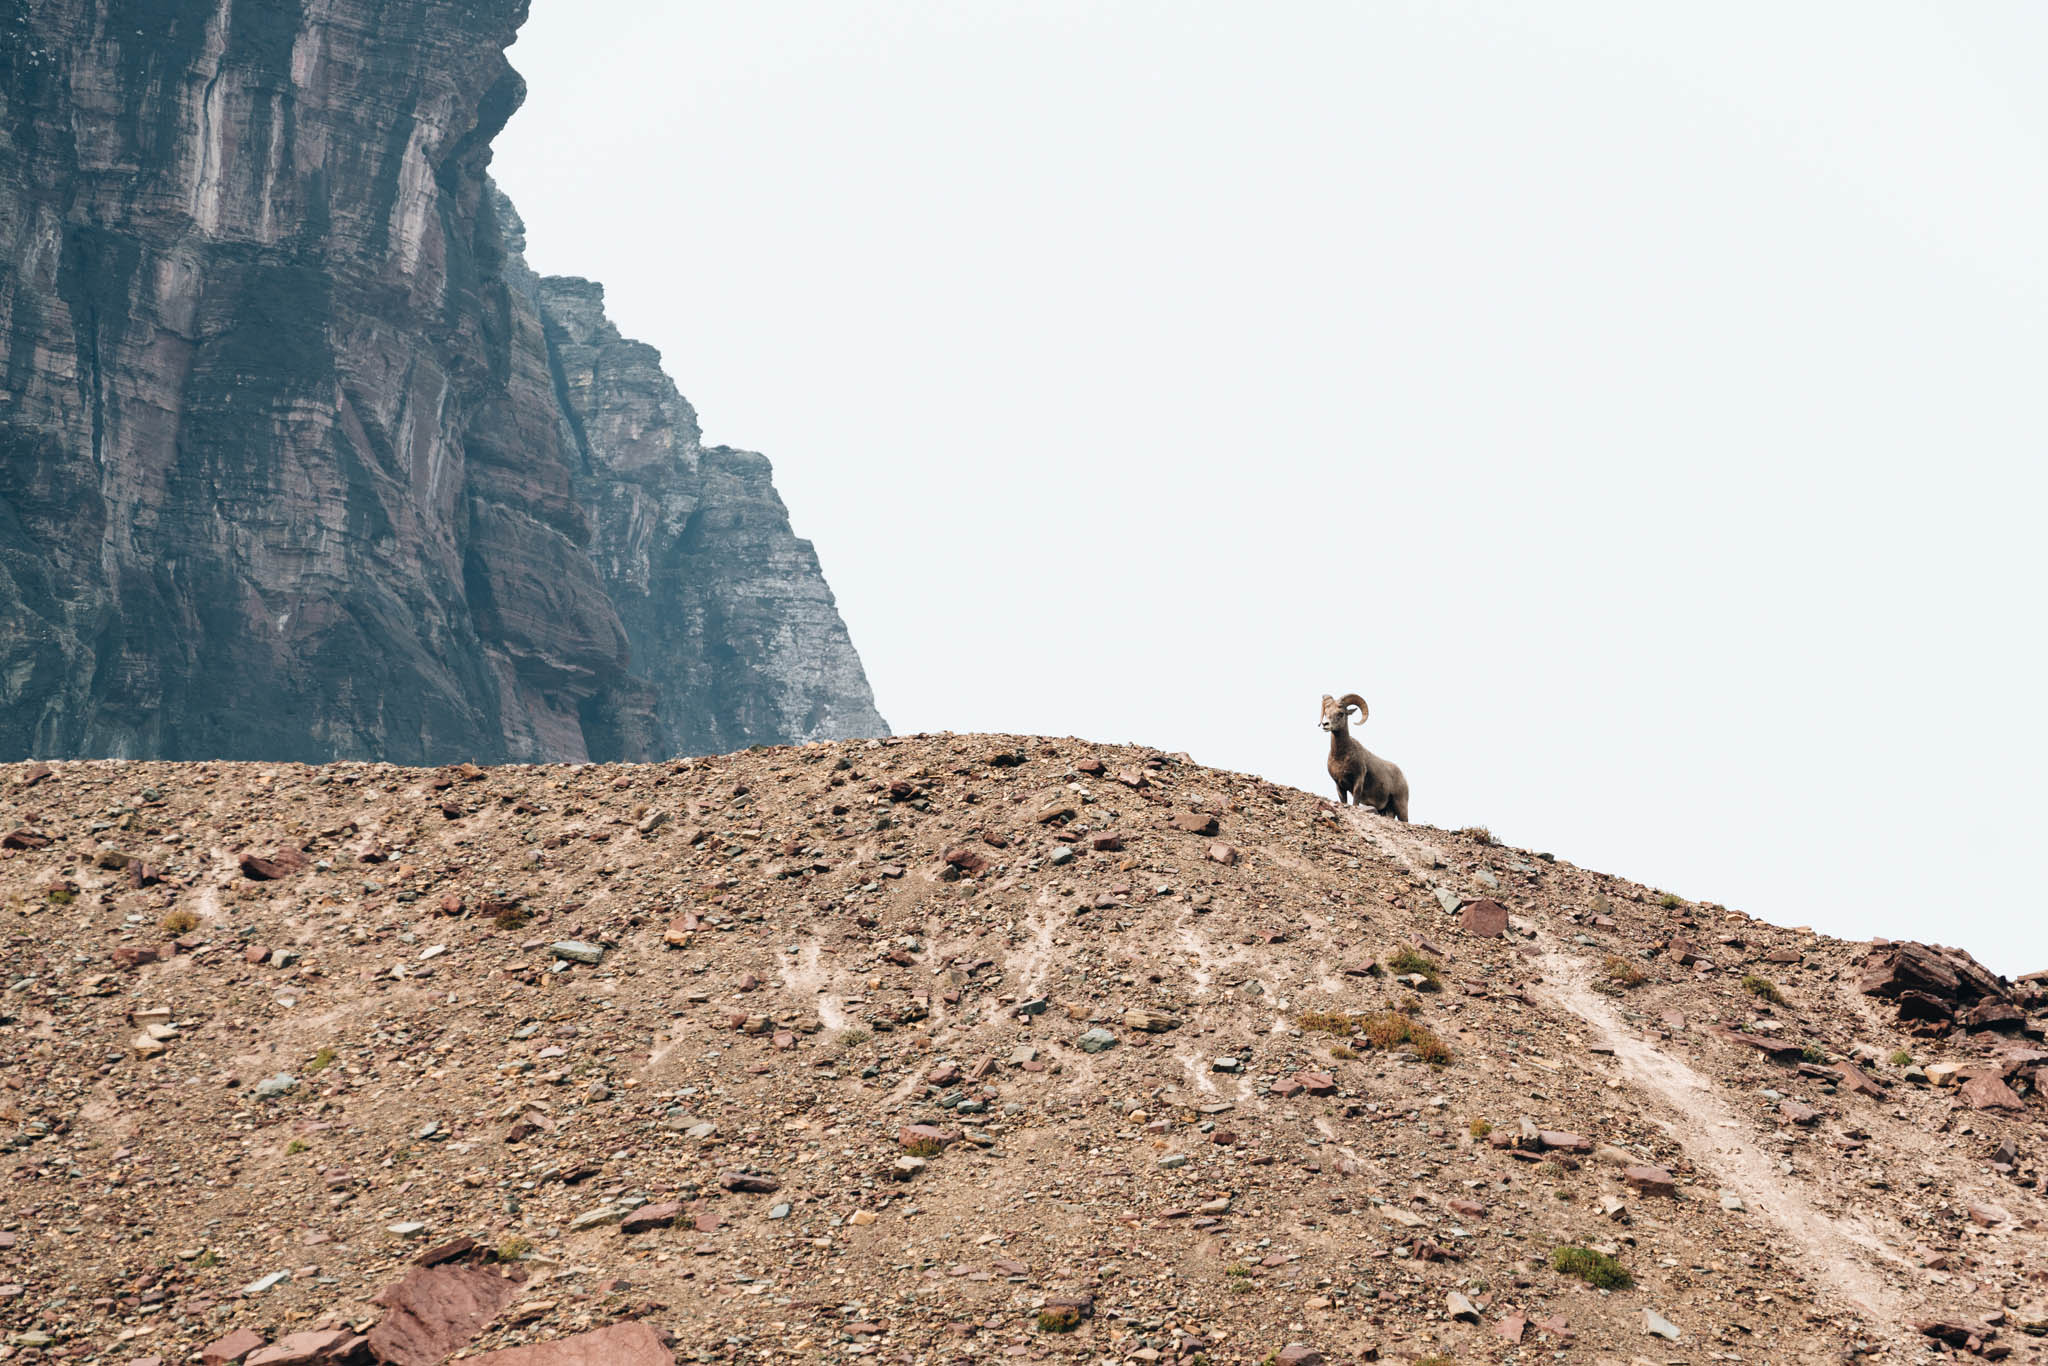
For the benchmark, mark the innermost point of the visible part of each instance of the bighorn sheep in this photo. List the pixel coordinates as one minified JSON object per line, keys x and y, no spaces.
{"x":1361,"y":776}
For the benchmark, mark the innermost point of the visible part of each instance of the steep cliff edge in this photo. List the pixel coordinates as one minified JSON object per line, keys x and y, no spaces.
{"x":297,"y":458}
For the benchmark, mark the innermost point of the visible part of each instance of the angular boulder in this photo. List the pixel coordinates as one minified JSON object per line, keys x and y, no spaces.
{"x":622,"y":1344}
{"x":434,"y":1311}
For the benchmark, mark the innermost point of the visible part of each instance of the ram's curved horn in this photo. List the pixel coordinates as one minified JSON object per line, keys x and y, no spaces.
{"x":1352,"y":699}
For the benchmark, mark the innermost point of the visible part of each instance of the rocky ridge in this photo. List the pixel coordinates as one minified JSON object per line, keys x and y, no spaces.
{"x":297,"y":458}
{"x":958,"y":1048}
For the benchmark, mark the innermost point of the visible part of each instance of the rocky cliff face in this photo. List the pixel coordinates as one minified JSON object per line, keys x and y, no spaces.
{"x":298,"y":460}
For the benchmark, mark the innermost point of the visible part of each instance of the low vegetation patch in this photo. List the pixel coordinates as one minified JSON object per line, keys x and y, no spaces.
{"x":1670,"y":901}
{"x":1389,"y":1029}
{"x":1596,"y":1269}
{"x":322,"y":1060}
{"x":1625,"y":972}
{"x":1327,"y":1022}
{"x":512,"y":1249}
{"x":1478,"y":834}
{"x":1064,"y":1319}
{"x":1902,"y":1059}
{"x":179,"y":922}
{"x":1763,"y":988}
{"x":1409,"y":963}
{"x":924,"y":1147}
{"x":1481,"y":1128}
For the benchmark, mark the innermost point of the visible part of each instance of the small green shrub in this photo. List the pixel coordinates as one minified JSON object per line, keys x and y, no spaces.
{"x":1478,"y":834}
{"x":206,"y":1259}
{"x":1064,"y":1319}
{"x":1902,"y":1059}
{"x":178,"y":922}
{"x":854,"y":1038}
{"x":1481,"y":1128}
{"x":1389,"y":1029}
{"x":512,"y":1249}
{"x":1326,"y":1022}
{"x":1409,"y":963}
{"x":1813,"y":1053}
{"x":1763,"y":988}
{"x":1596,"y":1269}
{"x":295,"y":1147}
{"x":322,"y":1060}
{"x":1670,"y":902}
{"x":924,"y":1147}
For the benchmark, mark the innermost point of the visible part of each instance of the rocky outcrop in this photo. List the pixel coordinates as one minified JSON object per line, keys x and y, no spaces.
{"x":298,"y":460}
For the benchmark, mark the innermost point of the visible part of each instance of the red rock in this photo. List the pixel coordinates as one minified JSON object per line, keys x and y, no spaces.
{"x":1285,"y":1088}
{"x":130,"y":956}
{"x":1090,"y":766}
{"x":1989,"y":1093}
{"x":26,"y":839}
{"x":1796,"y":1113}
{"x":434,"y":1311}
{"x":1468,"y":1208}
{"x":1650,"y":1180}
{"x":1559,"y":1140}
{"x":1511,"y":1327}
{"x":1223,"y":854}
{"x":233,"y":1347}
{"x":1484,"y":918}
{"x":622,"y":1344}
{"x":1318,"y":1083}
{"x":1987,"y":1216}
{"x":436,"y":1256}
{"x":1294,"y":1354}
{"x":281,"y":864}
{"x":943,"y":1075}
{"x":300,"y":1349}
{"x":650,"y":1217}
{"x":919,"y":1135}
{"x":1194,"y":822}
{"x":255,"y":953}
{"x":1108,"y":844}
{"x":34,"y":774}
{"x":967,"y":859}
{"x":749,"y":1183}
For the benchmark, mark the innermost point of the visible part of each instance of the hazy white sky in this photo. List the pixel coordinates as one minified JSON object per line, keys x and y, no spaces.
{"x":1643,"y":406}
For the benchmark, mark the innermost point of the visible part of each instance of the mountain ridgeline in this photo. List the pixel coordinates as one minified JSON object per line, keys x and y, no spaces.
{"x":299,"y":460}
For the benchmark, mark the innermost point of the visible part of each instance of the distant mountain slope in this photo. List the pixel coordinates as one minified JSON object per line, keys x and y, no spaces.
{"x":298,"y":460}
{"x":965,"y":1048}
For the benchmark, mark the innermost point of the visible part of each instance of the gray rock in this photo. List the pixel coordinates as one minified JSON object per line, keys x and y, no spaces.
{"x":599,"y":1217}
{"x":263,"y":1283}
{"x":271,"y":1087}
{"x":443,"y":511}
{"x":576,"y":951}
{"x":1061,"y":857}
{"x":1226,"y":1065}
{"x":1449,"y":900}
{"x":1172,"y":1160}
{"x":1095,"y":1040}
{"x":1656,"y":1325}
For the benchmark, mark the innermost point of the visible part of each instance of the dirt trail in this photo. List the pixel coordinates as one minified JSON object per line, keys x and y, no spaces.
{"x":1846,"y":1255}
{"x":806,"y":978}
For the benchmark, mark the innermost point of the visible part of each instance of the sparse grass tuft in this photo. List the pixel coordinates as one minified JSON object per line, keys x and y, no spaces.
{"x":62,"y":896}
{"x":1625,"y":973}
{"x":206,"y":1259}
{"x":295,"y":1147}
{"x":1481,"y":1128}
{"x":1390,"y":1029}
{"x":1670,"y":901}
{"x":1342,"y":1052}
{"x":512,"y":917}
{"x":1596,"y":1269}
{"x":1763,"y":988}
{"x":180,"y":921}
{"x":925,"y":1147}
{"x":1409,"y":963}
{"x":854,"y":1038}
{"x":1478,"y":834}
{"x":322,"y":1060}
{"x":1902,"y":1059}
{"x":1813,"y":1053}
{"x":512,"y":1249}
{"x":1326,"y":1022}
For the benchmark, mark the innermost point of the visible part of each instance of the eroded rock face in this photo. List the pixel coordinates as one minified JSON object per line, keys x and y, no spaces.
{"x":295,"y":462}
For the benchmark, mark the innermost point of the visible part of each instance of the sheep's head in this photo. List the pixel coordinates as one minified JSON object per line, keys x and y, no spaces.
{"x":1337,"y":710}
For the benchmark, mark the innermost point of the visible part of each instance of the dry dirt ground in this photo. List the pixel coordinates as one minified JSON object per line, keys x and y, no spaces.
{"x":359,"y":1040}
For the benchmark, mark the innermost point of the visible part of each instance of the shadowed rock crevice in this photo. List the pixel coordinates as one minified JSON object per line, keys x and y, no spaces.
{"x":301,"y":460}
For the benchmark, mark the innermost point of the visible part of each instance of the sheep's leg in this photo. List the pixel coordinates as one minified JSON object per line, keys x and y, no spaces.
{"x":1343,"y":794}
